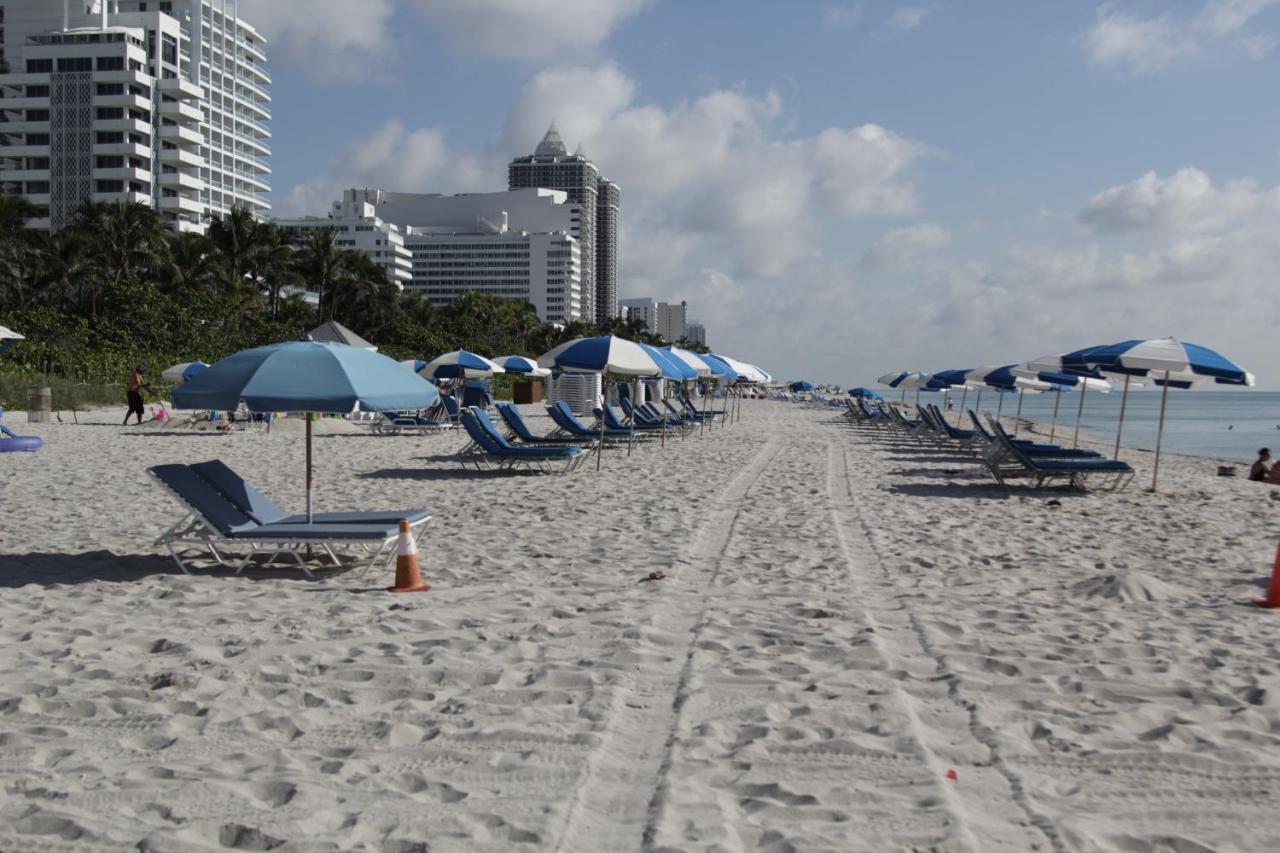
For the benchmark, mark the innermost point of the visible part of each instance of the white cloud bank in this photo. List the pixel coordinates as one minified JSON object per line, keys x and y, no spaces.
{"x":329,"y":40}
{"x":1150,"y":44}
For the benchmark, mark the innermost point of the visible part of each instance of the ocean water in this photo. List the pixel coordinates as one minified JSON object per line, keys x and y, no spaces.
{"x":1229,"y":425}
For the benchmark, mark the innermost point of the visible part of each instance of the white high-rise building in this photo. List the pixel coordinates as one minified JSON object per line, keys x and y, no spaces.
{"x":645,"y":310}
{"x":357,"y":227}
{"x":660,"y":318}
{"x":161,"y":102}
{"x":520,"y":245}
{"x":696,"y":333}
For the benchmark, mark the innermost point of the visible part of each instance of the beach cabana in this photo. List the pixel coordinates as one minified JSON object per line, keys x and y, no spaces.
{"x":307,"y":377}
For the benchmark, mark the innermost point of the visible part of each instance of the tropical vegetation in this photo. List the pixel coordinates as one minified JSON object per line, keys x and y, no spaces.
{"x":116,"y":288}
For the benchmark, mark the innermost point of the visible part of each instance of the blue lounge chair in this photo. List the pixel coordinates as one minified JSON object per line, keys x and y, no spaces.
{"x":490,"y":448}
{"x":612,"y":421}
{"x":223,"y":510}
{"x":1006,"y":461}
{"x":567,"y":421}
{"x":1031,"y":448}
{"x":394,"y":423}
{"x":520,"y":429}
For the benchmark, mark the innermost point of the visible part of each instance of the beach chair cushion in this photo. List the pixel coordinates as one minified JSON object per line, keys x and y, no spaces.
{"x":198,"y":494}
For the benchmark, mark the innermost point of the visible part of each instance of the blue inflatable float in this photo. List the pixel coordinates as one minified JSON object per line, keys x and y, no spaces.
{"x":11,"y":442}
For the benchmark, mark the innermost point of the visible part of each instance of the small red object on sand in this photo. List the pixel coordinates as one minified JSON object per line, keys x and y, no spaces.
{"x":953,"y":776}
{"x":1272,"y":600}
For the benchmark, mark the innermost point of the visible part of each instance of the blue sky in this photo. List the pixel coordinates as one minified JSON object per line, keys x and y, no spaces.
{"x":841,"y":189}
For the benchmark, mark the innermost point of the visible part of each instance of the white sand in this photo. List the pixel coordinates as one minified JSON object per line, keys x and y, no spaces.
{"x":841,"y":623}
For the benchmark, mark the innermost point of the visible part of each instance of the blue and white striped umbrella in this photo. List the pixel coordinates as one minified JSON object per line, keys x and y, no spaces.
{"x":521,"y":364}
{"x":697,"y":365}
{"x":414,"y":364}
{"x":896,"y":380}
{"x":672,"y":367}
{"x":1168,"y":362}
{"x":718,"y":366}
{"x":460,"y":364}
{"x":604,"y":354}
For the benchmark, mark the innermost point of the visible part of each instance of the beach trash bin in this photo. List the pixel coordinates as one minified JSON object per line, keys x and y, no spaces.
{"x":526,"y":392}
{"x":40,"y":405}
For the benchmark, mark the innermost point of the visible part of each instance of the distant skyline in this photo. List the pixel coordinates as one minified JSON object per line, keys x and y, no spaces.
{"x":840,"y":189}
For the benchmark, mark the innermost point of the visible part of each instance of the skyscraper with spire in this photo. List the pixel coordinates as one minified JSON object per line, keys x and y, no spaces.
{"x":551,"y":166}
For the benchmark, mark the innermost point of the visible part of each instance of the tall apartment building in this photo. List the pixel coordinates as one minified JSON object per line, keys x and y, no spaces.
{"x":516,"y":245}
{"x":357,"y":227}
{"x":552,"y":166}
{"x":608,"y":206}
{"x":696,"y":333}
{"x":667,"y":319}
{"x":160,"y":102}
{"x":544,"y":270}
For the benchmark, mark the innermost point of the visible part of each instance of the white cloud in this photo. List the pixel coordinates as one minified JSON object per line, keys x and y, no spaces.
{"x":908,"y":247}
{"x":393,"y":157}
{"x":907,"y":18}
{"x":528,"y":29}
{"x":322,"y":36}
{"x":1176,"y":255}
{"x":1149,"y":44}
{"x":836,"y":17}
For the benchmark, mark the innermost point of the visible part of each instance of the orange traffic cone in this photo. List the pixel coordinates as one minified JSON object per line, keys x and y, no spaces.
{"x":408,"y":577}
{"x":1273,"y":593}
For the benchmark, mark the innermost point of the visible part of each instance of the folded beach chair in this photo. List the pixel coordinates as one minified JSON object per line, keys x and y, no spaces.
{"x":612,"y":421}
{"x":1007,"y":461}
{"x":520,"y":429}
{"x":696,"y":412}
{"x":451,"y":409}
{"x":490,"y":448}
{"x":568,"y":422}
{"x":394,"y":423}
{"x":225,"y":511}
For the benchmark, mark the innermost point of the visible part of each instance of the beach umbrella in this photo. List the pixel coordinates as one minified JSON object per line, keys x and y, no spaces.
{"x":948,"y":379}
{"x":1071,"y":370}
{"x":747,"y":373}
{"x":900,"y":380}
{"x":414,"y":364}
{"x":801,"y":385}
{"x":521,"y":364}
{"x":460,"y":364}
{"x":8,"y":337}
{"x":672,"y":368}
{"x":604,"y":354}
{"x":1168,"y":362}
{"x":185,"y":372}
{"x":719,"y":370}
{"x":691,"y":360}
{"x":307,"y":377}
{"x":865,"y":393}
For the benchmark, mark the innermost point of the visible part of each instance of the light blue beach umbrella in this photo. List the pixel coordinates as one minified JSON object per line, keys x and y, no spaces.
{"x":865,"y":393}
{"x":306,"y":376}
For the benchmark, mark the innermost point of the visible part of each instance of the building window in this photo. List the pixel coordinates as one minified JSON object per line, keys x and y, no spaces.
{"x":37,"y":91}
{"x":103,"y":137}
{"x":39,"y":66}
{"x":109,"y":186}
{"x":37,"y":139}
{"x":111,"y":63}
{"x":107,"y":113}
{"x":37,"y":115}
{"x":75,"y":63}
{"x":110,"y":89}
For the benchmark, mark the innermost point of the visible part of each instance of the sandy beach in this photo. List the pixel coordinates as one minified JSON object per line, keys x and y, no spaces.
{"x":854,"y":645}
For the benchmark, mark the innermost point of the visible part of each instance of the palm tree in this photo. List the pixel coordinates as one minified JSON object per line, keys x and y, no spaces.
{"x":274,"y":263}
{"x":322,"y":264}
{"x":194,"y":262}
{"x":129,"y":239}
{"x":363,"y":291}
{"x":19,"y":248}
{"x":237,"y":239}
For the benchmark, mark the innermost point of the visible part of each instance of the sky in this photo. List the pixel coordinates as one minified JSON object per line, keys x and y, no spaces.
{"x":840,"y":190}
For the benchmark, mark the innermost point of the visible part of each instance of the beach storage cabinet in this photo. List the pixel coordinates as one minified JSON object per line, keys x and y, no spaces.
{"x":526,"y":392}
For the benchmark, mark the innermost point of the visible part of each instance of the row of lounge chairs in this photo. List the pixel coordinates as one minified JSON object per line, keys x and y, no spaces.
{"x":1005,"y":458}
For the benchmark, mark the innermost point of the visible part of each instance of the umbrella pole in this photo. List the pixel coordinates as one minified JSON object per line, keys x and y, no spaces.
{"x":904,"y":395}
{"x":1124,"y":399}
{"x":1017,"y":419}
{"x":977,"y":405}
{"x":702,"y":423}
{"x":631,"y":439}
{"x":1053,"y":430}
{"x":1164,"y":398}
{"x":999,"y":405}
{"x":310,"y":470}
{"x":963,"y":397}
{"x":1084,"y":388}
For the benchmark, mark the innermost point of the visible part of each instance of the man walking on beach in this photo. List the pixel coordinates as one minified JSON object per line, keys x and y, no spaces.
{"x":134,"y":395}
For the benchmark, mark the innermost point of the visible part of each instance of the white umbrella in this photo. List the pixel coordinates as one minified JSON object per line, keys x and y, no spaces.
{"x":460,"y":364}
{"x":179,"y":373}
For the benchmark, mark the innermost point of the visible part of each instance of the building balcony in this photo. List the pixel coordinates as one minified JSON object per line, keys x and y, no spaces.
{"x":131,"y":197}
{"x":126,"y":125}
{"x":12,"y":151}
{"x":127,"y":149}
{"x":24,"y":175}
{"x":182,"y":110}
{"x":180,"y":88}
{"x":126,"y":173}
{"x":180,"y":134}
{"x":25,"y":126}
{"x":174,"y":156}
{"x":183,"y":180}
{"x":185,"y":226}
{"x":185,"y":204}
{"x":39,"y":224}
{"x":128,"y":101}
{"x":38,"y":199}
{"x":23,"y":102}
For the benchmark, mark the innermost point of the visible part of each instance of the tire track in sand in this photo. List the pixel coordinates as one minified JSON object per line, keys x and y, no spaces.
{"x":618,"y":798}
{"x":996,"y":833}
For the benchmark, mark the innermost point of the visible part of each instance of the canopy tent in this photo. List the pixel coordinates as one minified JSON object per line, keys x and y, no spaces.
{"x":306,"y":376}
{"x":336,"y":333}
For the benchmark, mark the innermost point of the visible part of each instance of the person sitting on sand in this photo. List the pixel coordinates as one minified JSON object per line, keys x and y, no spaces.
{"x":1260,"y":470}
